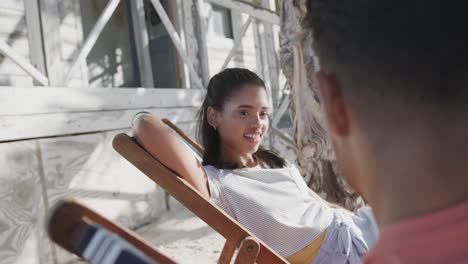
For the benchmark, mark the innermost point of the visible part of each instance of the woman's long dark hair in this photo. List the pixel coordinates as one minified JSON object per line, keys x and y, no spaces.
{"x":220,"y":88}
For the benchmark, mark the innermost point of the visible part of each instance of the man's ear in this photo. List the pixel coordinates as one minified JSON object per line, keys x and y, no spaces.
{"x":332,"y":101}
{"x":212,"y":116}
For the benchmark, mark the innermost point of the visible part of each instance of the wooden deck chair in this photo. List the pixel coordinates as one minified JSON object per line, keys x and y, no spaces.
{"x":67,"y":214}
{"x":250,"y":248}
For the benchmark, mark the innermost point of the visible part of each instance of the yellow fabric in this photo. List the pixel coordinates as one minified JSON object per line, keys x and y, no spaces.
{"x":308,"y":253}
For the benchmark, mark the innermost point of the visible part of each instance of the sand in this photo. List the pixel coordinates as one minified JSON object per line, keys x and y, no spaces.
{"x":183,"y":237}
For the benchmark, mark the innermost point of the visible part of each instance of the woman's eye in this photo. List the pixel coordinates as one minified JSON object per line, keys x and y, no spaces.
{"x":264,"y":114}
{"x":243,"y":113}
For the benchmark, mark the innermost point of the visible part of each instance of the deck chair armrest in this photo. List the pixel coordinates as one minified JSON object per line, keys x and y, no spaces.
{"x":190,"y":198}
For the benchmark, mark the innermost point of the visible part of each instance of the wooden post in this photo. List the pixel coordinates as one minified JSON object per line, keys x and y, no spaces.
{"x":140,"y":34}
{"x":50,"y":24}
{"x":248,"y":251}
{"x":258,"y":49}
{"x":249,"y":9}
{"x":23,"y":63}
{"x":36,"y":44}
{"x":200,"y":31}
{"x":195,"y":40}
{"x":237,"y":42}
{"x":92,"y":37}
{"x":228,"y":252}
{"x":271,"y":58}
{"x":176,"y":41}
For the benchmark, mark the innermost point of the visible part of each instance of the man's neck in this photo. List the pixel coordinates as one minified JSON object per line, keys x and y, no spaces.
{"x":418,"y":189}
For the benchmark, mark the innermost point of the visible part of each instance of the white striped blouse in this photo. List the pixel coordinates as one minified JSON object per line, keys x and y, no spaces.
{"x":274,"y":204}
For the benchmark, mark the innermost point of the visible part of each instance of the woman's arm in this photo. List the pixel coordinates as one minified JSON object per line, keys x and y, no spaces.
{"x":164,"y":144}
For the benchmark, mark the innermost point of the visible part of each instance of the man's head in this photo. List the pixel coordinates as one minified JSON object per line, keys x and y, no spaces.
{"x":393,"y":75}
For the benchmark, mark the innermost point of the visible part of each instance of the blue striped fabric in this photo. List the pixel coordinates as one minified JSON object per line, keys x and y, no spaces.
{"x":100,"y":246}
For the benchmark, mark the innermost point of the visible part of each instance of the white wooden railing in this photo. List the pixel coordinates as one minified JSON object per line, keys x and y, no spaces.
{"x":262,"y":19}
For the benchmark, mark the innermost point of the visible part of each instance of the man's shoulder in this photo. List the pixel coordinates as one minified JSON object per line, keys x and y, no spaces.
{"x":376,"y":256}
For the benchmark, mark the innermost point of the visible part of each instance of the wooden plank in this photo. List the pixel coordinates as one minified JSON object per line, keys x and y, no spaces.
{"x":15,"y":80}
{"x":17,"y":42}
{"x":71,"y":34}
{"x":250,"y":9}
{"x":228,"y":251}
{"x":14,"y":127}
{"x":83,"y":165}
{"x":258,"y":49}
{"x":237,"y":42}
{"x":12,"y":4}
{"x":248,"y":251}
{"x":271,"y":58}
{"x":179,"y":9}
{"x":41,"y":100}
{"x":200,"y":33}
{"x":92,"y":37}
{"x":36,"y":44}
{"x":189,"y":197}
{"x":70,"y":212}
{"x":23,"y":63}
{"x":9,"y":67}
{"x":50,"y":24}
{"x":21,"y":205}
{"x":140,"y":34}
{"x":12,"y":23}
{"x":174,"y":36}
{"x":243,"y":57}
{"x":190,"y":38}
{"x":193,"y":34}
{"x":87,"y":167}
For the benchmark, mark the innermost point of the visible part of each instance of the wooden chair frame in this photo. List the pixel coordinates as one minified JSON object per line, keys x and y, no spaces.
{"x":251,"y":249}
{"x":66,"y":214}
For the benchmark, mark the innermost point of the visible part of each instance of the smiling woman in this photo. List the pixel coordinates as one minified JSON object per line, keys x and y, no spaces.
{"x":255,"y":186}
{"x":234,"y":118}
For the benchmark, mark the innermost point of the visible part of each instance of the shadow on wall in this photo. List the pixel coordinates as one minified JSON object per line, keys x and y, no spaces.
{"x":112,"y":61}
{"x":36,"y":173}
{"x":14,"y":37}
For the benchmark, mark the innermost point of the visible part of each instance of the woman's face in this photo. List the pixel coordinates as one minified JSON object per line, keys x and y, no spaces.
{"x":243,"y":122}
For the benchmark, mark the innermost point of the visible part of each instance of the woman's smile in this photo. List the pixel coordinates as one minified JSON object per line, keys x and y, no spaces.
{"x":254,"y":137}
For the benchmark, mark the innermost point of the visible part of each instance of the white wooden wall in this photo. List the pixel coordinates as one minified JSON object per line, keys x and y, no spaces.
{"x":13,"y":32}
{"x":56,"y":142}
{"x":219,"y":47}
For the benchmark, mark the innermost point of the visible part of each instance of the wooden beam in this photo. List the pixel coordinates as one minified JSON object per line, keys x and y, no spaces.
{"x":140,"y":34}
{"x":257,"y":35}
{"x":188,"y":38}
{"x":26,"y":127}
{"x":200,"y":32}
{"x":271,"y":58}
{"x":176,"y":41}
{"x":237,"y":42}
{"x":36,"y":44}
{"x":283,"y":106}
{"x":191,"y":198}
{"x":25,"y":111}
{"x":259,"y":13}
{"x":45,"y":201}
{"x":45,"y":100}
{"x":92,"y":37}
{"x":23,"y":63}
{"x":50,"y":25}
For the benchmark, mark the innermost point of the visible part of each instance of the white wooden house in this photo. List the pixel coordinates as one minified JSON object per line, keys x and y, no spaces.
{"x":72,"y":75}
